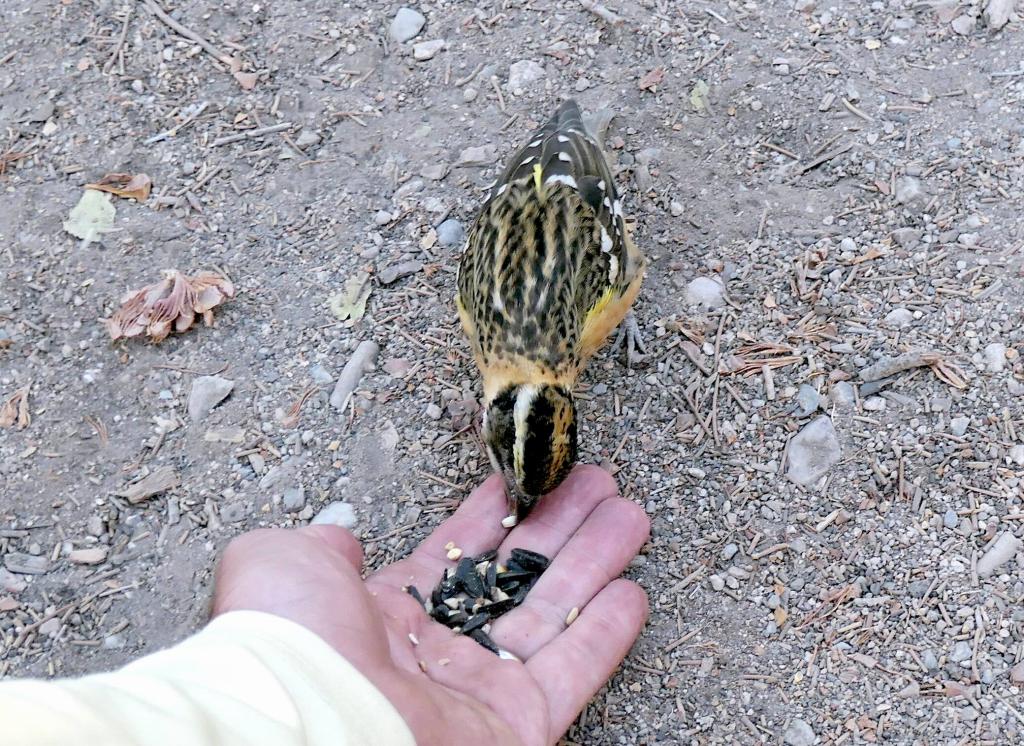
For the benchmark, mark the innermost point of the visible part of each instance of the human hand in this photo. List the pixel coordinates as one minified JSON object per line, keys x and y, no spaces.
{"x":312,"y":576}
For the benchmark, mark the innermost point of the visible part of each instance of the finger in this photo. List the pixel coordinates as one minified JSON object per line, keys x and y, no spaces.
{"x":339,"y":540}
{"x":474,"y":528}
{"x":560,"y":513}
{"x":573,"y":666}
{"x":597,"y":553}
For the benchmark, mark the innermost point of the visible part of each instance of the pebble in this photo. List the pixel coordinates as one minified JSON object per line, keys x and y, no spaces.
{"x":50,"y":627}
{"x":395,"y":272}
{"x":995,"y":357}
{"x":843,"y":394}
{"x":960,"y":652}
{"x":813,"y":451}
{"x":406,"y":25}
{"x":705,"y":291}
{"x":307,"y":138}
{"x":964,"y":24}
{"x":729,"y":551}
{"x":434,"y":171}
{"x":807,"y":400}
{"x":908,"y":190}
{"x":469,"y":93}
{"x":361,"y":361}
{"x":717,"y":582}
{"x":427,"y":50}
{"x":676,"y":209}
{"x":337,"y":514}
{"x":950,"y":519}
{"x":1016,"y":454}
{"x":958,"y":425}
{"x":26,"y":564}
{"x":10,"y":582}
{"x":908,"y":238}
{"x":1002,"y":551}
{"x":523,"y":74}
{"x":931,"y":663}
{"x":433,"y":411}
{"x":294,"y":498}
{"x":320,"y":374}
{"x":997,"y":12}
{"x":206,"y":393}
{"x":799,"y":733}
{"x":451,"y":234}
{"x":874,"y":404}
{"x":477,"y":155}
{"x":90,"y":556}
{"x":899,"y":318}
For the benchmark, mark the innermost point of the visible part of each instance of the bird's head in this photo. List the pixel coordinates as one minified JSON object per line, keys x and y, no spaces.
{"x":530,"y":433}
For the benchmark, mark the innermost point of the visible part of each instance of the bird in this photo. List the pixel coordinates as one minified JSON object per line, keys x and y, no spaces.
{"x":548,"y":272}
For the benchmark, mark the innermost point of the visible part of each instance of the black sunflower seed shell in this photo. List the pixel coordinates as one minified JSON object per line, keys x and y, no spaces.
{"x":440,"y":613}
{"x":415,"y":593}
{"x":475,"y":622}
{"x":469,"y":579}
{"x":486,"y":557}
{"x":484,"y":639}
{"x":497,"y":608}
{"x":528,"y":560}
{"x":504,"y":579}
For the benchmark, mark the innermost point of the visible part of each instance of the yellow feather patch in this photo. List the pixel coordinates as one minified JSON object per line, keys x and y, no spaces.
{"x":601,"y":304}
{"x":538,"y":177}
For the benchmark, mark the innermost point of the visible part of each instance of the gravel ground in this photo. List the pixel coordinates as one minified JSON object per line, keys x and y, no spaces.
{"x":820,"y":189}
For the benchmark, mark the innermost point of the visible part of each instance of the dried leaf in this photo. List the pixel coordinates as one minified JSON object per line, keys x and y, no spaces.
{"x":135,"y":187}
{"x":15,"y":409}
{"x":699,"y":97}
{"x":350,"y":303}
{"x":780,"y":614}
{"x":92,"y":216}
{"x":171,"y":304}
{"x":652,"y":79}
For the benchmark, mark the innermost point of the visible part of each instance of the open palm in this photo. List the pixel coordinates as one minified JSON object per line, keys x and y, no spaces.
{"x":442,"y":683}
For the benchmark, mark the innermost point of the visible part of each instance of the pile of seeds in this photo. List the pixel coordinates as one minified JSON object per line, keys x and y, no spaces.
{"x":479,"y":589}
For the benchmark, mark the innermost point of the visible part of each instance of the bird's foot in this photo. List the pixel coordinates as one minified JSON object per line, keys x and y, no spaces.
{"x":630,"y":339}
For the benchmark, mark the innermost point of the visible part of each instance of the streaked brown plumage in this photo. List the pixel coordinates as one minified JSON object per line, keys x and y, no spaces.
{"x":549,"y":271}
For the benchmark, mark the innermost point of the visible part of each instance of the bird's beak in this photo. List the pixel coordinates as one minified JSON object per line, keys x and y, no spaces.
{"x":519,"y":504}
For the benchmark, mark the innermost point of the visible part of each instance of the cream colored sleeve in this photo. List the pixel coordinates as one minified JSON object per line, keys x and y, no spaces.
{"x":247,"y":678}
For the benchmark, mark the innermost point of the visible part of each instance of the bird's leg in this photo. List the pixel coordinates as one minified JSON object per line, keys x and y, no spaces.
{"x":629,"y":338}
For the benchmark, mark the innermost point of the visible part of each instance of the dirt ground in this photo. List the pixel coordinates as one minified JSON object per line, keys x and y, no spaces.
{"x":849,"y":184}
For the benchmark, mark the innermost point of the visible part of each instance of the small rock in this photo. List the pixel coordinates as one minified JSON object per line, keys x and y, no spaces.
{"x":360,"y":362}
{"x":1016,"y":454}
{"x":799,"y":733}
{"x":113,"y":642}
{"x":1017,"y":673}
{"x":477,"y":155}
{"x":433,"y":411}
{"x":807,"y":400}
{"x":307,"y":138}
{"x":337,"y":514}
{"x":320,"y":374}
{"x":406,"y":25}
{"x":964,"y":24}
{"x":908,"y":190}
{"x":848,"y":245}
{"x":294,"y":498}
{"x":94,"y":526}
{"x":90,"y":556}
{"x":842,"y":394}
{"x":426,"y":50}
{"x":961,"y":652}
{"x":874,"y":404}
{"x":676,"y":209}
{"x":950,"y":519}
{"x":396,"y":272}
{"x":918,"y":588}
{"x":995,"y":357}
{"x":729,"y":551}
{"x":813,"y":451}
{"x":523,"y":74}
{"x":207,"y":392}
{"x":931,"y":663}
{"x":908,"y":238}
{"x":705,"y":291}
{"x":396,"y":367}
{"x":26,"y":564}
{"x":997,"y":12}
{"x":434,"y":171}
{"x":469,"y":93}
{"x":717,"y":582}
{"x":958,"y":425}
{"x":10,"y":582}
{"x":1001,"y":552}
{"x":899,"y":318}
{"x":804,"y":6}
{"x":50,"y":627}
{"x":451,"y":234}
